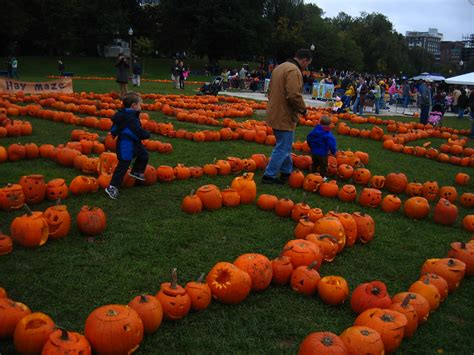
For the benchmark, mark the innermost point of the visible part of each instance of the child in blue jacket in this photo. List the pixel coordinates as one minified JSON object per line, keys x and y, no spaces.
{"x":129,"y":132}
{"x":321,"y":141}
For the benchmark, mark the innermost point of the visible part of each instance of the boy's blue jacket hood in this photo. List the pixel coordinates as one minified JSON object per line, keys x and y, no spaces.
{"x":321,"y":141}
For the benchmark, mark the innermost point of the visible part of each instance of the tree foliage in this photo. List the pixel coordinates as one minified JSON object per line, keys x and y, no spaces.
{"x":233,"y":29}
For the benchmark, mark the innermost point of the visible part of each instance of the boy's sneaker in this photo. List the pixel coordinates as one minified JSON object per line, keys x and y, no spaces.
{"x":325,"y":179}
{"x":271,"y":180}
{"x":284,"y":177}
{"x":112,"y":191}
{"x":137,"y":176}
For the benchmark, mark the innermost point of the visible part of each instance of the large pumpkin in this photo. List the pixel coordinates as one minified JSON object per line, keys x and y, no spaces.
{"x":332,"y":226}
{"x":210,"y":196}
{"x":322,"y":343}
{"x":34,"y":188}
{"x":259,"y":269}
{"x":452,"y":270}
{"x":12,"y":197}
{"x":362,"y":340}
{"x":465,"y":253}
{"x":32,"y":332}
{"x":10,"y":314}
{"x":91,"y":220}
{"x":228,"y":283}
{"x":30,"y":230}
{"x":64,"y":342}
{"x":416,"y":207}
{"x":445,"y":212}
{"x":396,"y":183}
{"x":150,"y":311}
{"x":59,"y":221}
{"x":370,"y":295}
{"x":302,"y":252}
{"x":106,"y":324}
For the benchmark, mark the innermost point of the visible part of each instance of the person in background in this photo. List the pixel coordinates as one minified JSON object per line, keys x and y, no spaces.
{"x":242,"y":77}
{"x":137,"y":72}
{"x":285,"y":103}
{"x":14,"y":64}
{"x":463,"y":104}
{"x":471,"y":108}
{"x":425,"y":102}
{"x":377,"y":96}
{"x":122,"y":74}
{"x":61,"y":67}
{"x":321,"y":141}
{"x":175,"y":73}
{"x":129,"y":132}
{"x":456,"y":94}
{"x":181,"y":74}
{"x":225,"y":79}
{"x":406,"y":93}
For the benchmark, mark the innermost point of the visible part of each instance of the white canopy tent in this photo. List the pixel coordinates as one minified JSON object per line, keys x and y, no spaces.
{"x":429,"y":77}
{"x":465,"y":79}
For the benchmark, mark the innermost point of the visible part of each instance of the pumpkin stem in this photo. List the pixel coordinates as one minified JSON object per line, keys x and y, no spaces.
{"x":174,"y":278}
{"x":312,"y":265}
{"x":305,"y":198}
{"x":375,"y":291}
{"x":364,"y":332}
{"x":64,"y":333}
{"x":143,"y":298}
{"x":112,"y":313}
{"x":406,"y":301}
{"x":281,"y":253}
{"x":386,"y":318}
{"x":191,"y":193}
{"x":327,"y":341}
{"x":201,"y":277}
{"x":426,"y":281}
{"x":28,"y":210}
{"x":58,"y":201}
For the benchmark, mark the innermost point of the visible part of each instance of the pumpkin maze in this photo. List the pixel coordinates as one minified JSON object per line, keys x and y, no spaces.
{"x":334,"y":256}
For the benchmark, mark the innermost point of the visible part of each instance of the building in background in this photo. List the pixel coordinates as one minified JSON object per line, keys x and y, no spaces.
{"x":467,"y":53}
{"x":451,"y":52}
{"x":429,"y":41}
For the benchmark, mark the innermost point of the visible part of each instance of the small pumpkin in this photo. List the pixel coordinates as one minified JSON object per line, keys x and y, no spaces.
{"x":430,"y":190}
{"x":305,"y":279}
{"x":12,"y":197}
{"x":174,"y":299}
{"x":303,"y":228}
{"x":302,"y":252}
{"x":462,"y":179}
{"x":445,"y":212}
{"x":282,"y":269}
{"x":32,"y":332}
{"x":365,"y":226}
{"x":347,"y":193}
{"x":449,"y":193}
{"x":452,"y":270}
{"x":55,"y":189}
{"x":34,"y":188}
{"x":410,"y":314}
{"x":370,"y":295}
{"x":267,"y":202}
{"x":421,"y":305}
{"x":200,"y":294}
{"x":30,"y":230}
{"x":191,"y":204}
{"x":284,"y":207}
{"x":91,"y":221}
{"x":428,"y":291}
{"x":396,"y":182}
{"x":331,"y":226}
{"x":210,"y":196}
{"x":322,"y":343}
{"x":438,"y":282}
{"x":326,"y":243}
{"x":58,"y":219}
{"x":362,"y":340}
{"x":230,"y":197}
{"x":11,"y":313}
{"x":333,"y":290}
{"x":416,"y":207}
{"x":391,"y":203}
{"x":370,"y":197}
{"x":149,"y":310}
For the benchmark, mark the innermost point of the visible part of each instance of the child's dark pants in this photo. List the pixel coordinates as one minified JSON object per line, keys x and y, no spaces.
{"x":320,"y":162}
{"x":138,"y":167}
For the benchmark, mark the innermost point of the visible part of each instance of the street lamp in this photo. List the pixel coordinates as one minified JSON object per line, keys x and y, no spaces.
{"x":461,"y":64}
{"x":312,"y":48}
{"x":130,"y":33}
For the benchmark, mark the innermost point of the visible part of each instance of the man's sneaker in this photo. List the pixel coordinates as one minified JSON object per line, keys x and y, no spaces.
{"x":271,"y":180}
{"x":284,"y":177}
{"x":113,"y":192}
{"x":137,"y":176}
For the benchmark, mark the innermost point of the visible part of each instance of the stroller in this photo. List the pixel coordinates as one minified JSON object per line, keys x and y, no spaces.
{"x":436,"y":115}
{"x":212,"y":88}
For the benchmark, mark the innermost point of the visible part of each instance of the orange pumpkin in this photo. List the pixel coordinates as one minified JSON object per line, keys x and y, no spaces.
{"x":32,"y":332}
{"x":174,"y":299}
{"x":333,"y":290}
{"x":245,"y":187}
{"x":416,"y":207}
{"x":259,"y":269}
{"x":228,"y":283}
{"x":200,"y":294}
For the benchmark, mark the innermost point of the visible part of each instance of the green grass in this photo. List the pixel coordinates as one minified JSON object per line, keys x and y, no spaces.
{"x":147,"y":235}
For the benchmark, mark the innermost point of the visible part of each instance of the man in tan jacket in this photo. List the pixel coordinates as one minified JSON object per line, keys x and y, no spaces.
{"x":285,"y":103}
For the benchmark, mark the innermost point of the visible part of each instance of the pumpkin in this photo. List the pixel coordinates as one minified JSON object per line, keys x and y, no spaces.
{"x":349,"y":224}
{"x":329,"y":189}
{"x":230,"y":197}
{"x":246,"y":188}
{"x":236,"y":164}
{"x":174,"y":299}
{"x":80,"y":185}
{"x":414,"y":189}
{"x":267,"y":202}
{"x":390,"y":325}
{"x":150,"y":176}
{"x":314,"y":214}
{"x":260,"y":159}
{"x":58,"y":219}
{"x":181,"y":172}
{"x":452,"y":270}
{"x":438,"y":282}
{"x":284,"y":207}
{"x":34,"y":188}
{"x":312,"y":181}
{"x":416,"y":207}
{"x":3,"y":293}
{"x":396,"y":182}
{"x":32,"y":332}
{"x":462,"y":179}
{"x":331,"y":226}
{"x":347,"y":193}
{"x":428,"y":291}
{"x":108,"y":323}
{"x":362,"y":340}
{"x":305,"y":279}
{"x":449,"y":193}
{"x":30,"y":230}
{"x":410,"y":314}
{"x":228,"y":283}
{"x":377,"y":182}
{"x":259,"y":269}
{"x":326,"y":243}
{"x":467,"y":199}
{"x":299,"y":211}
{"x":302,"y":252}
{"x":322,"y":343}
{"x":370,"y":295}
{"x":345,"y":171}
{"x":430,"y":190}
{"x":200,"y":294}
{"x":196,"y":171}
{"x":6,"y":247}
{"x":210,"y":196}
{"x":468,"y":222}
{"x":64,"y":342}
{"x":10,"y":314}
{"x":421,"y":305}
{"x":107,"y":163}
{"x":303,"y":228}
{"x":12,"y":197}
{"x":333,"y":290}
{"x":282,"y":269}
{"x":149,"y":310}
{"x":55,"y":189}
{"x":191,"y":204}
{"x":165,"y":173}
{"x":465,"y":253}
{"x":445,"y":213}
{"x":296,"y":179}
{"x":361,"y":176}
{"x":370,"y":197}
{"x":91,"y":220}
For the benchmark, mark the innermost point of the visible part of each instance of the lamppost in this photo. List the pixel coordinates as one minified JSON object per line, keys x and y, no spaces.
{"x":312,"y":48}
{"x":461,"y":64}
{"x":130,"y":33}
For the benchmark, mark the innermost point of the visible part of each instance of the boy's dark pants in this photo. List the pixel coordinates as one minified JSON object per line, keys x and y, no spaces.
{"x":138,"y":167}
{"x":320,"y":162}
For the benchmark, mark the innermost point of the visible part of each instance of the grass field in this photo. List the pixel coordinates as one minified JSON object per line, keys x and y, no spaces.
{"x":147,"y":235}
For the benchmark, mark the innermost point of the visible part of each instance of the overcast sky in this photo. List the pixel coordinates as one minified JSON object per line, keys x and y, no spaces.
{"x":452,"y":18}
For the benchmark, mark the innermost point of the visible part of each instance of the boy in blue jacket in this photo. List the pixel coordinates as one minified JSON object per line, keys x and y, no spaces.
{"x":129,"y":132}
{"x":321,"y":141}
